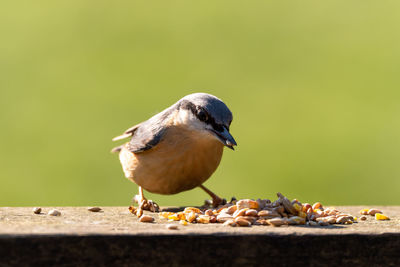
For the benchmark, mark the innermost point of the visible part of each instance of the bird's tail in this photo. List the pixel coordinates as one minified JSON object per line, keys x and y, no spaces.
{"x":116,"y":149}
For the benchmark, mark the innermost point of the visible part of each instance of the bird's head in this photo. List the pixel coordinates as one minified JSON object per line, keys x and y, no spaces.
{"x":208,"y":114}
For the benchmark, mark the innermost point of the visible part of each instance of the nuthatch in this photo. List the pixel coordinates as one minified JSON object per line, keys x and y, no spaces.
{"x":179,"y":148}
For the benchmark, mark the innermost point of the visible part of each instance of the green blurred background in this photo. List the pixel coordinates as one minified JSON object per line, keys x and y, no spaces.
{"x":313,"y":86}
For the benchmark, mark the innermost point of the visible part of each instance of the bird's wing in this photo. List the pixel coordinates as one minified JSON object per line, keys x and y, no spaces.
{"x":145,"y":138}
{"x":147,"y":134}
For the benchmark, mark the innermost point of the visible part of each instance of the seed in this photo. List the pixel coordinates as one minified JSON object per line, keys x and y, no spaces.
{"x":132,"y":209}
{"x":223,"y":217}
{"x":191,"y":209}
{"x":287,"y":204}
{"x":251,"y":219}
{"x":239,"y":212}
{"x":247,"y":203}
{"x":363,"y":218}
{"x":183,"y":222}
{"x":37,"y":210}
{"x":381,"y":217}
{"x":171,"y":226}
{"x":312,"y":223}
{"x":231,"y":209}
{"x":306,"y":206}
{"x":261,"y":203}
{"x":364,"y":211}
{"x":317,"y":205}
{"x":54,"y":212}
{"x":280,"y":210}
{"x":372,"y":212}
{"x":242,"y":222}
{"x":174,"y":217}
{"x":342,"y":219}
{"x":268,"y":214}
{"x":164,"y":214}
{"x":208,"y":212}
{"x":224,"y":207}
{"x":146,"y":218}
{"x":203,"y":219}
{"x":213,"y":219}
{"x":251,"y":212}
{"x":190,"y":217}
{"x":94,"y":209}
{"x":276,"y":221}
{"x":323,"y":223}
{"x":261,"y":222}
{"x":302,"y":214}
{"x":230,"y":223}
{"x":331,"y":220}
{"x":297,"y":207}
{"x":319,"y":213}
{"x":295,"y":220}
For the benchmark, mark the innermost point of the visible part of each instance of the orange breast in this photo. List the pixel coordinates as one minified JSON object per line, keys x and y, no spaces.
{"x":183,"y":160}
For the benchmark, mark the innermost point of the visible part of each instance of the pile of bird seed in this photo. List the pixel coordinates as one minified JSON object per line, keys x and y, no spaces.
{"x":247,"y":212}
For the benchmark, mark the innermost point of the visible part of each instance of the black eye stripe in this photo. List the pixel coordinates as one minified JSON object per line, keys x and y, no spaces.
{"x":201,"y":114}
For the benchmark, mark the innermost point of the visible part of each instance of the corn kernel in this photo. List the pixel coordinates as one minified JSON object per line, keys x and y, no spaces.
{"x":174,"y":217}
{"x":183,"y":222}
{"x":191,"y":209}
{"x":364,"y":211}
{"x":203,"y":219}
{"x":165,"y":214}
{"x":190,"y":217}
{"x":181,"y":215}
{"x":381,"y":217}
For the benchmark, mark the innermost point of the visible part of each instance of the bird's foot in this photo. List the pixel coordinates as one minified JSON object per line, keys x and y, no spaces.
{"x":145,"y":204}
{"x":215,"y":202}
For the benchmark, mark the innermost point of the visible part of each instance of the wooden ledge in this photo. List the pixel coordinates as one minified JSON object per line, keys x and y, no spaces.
{"x":115,"y":237}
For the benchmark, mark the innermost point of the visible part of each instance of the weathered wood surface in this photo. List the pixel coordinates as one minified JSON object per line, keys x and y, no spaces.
{"x":115,"y":237}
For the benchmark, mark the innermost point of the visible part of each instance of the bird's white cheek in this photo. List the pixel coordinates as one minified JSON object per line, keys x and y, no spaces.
{"x":187,"y":119}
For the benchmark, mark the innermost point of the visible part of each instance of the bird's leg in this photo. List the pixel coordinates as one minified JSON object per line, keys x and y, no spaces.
{"x":216,"y":200}
{"x":145,"y":204}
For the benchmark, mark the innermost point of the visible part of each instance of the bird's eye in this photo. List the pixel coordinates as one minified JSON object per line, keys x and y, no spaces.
{"x":202,"y":115}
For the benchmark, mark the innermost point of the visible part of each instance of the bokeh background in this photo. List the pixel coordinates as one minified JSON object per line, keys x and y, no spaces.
{"x":313,"y":86}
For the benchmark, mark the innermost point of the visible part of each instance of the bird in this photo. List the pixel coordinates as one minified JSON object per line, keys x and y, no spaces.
{"x":177,"y":149}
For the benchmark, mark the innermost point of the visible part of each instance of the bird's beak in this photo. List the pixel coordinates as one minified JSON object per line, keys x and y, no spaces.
{"x":226,"y":138}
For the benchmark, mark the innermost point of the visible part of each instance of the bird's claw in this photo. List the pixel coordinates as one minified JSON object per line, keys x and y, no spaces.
{"x":215,"y":202}
{"x":145,"y":204}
